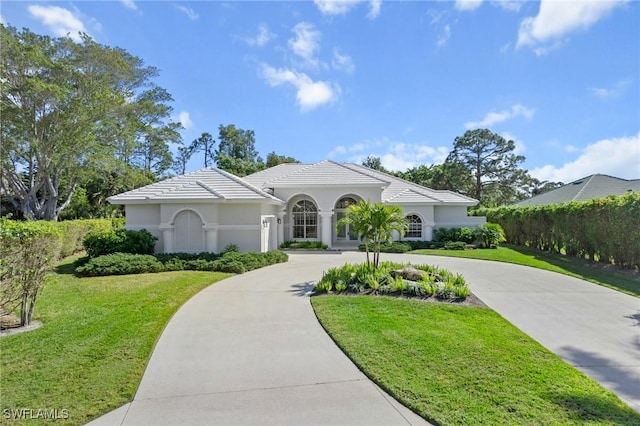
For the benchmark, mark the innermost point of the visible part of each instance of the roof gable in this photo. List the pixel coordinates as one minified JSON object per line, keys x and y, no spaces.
{"x":209,"y":184}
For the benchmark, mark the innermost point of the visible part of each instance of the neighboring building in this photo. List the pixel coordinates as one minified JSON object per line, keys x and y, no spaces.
{"x":208,"y":209}
{"x":587,"y":188}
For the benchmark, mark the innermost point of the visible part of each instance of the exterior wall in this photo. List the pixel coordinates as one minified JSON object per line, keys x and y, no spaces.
{"x":145,"y":216}
{"x":455,"y":217}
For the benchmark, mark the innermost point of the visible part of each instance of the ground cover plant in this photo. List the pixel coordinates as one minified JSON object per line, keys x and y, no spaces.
{"x":394,"y":279}
{"x":96,"y":339}
{"x":460,"y":365}
{"x":621,"y":280}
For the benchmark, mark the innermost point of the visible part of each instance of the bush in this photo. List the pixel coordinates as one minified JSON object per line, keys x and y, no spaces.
{"x":74,"y":232}
{"x":394,"y":247}
{"x":455,"y":245}
{"x":444,"y":235}
{"x":120,"y":264}
{"x":119,"y":241}
{"x":491,"y":234}
{"x":303,"y":245}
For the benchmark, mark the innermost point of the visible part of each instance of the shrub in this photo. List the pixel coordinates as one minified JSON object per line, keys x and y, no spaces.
{"x":303,"y":245}
{"x":230,"y":248}
{"x":119,"y":241}
{"x":491,"y":234}
{"x":394,"y":247}
{"x":444,"y":235}
{"x":120,"y":264}
{"x":74,"y":232}
{"x":28,"y":250}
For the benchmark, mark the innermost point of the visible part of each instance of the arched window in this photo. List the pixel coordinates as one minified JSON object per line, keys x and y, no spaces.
{"x":305,"y":219}
{"x":415,"y":226}
{"x":345,"y":202}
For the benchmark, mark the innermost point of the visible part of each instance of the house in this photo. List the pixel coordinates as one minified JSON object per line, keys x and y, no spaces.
{"x":585,"y":189}
{"x":208,"y":209}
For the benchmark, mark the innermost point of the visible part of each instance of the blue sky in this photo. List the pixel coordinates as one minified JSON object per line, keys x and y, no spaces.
{"x":398,"y":80}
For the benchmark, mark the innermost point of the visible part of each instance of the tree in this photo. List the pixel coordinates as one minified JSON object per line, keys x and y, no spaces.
{"x":374,"y":224}
{"x":236,"y":151}
{"x":181,"y":160}
{"x":447,"y":176}
{"x":492,"y":163}
{"x":374,"y":163}
{"x":274,"y":159}
{"x":205,"y":144}
{"x":70,"y":109}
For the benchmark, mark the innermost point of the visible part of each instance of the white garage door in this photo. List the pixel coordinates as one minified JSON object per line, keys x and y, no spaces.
{"x":188,"y":233}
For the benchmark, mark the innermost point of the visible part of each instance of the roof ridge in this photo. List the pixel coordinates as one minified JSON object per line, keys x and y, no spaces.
{"x":246,"y":184}
{"x":211,"y":190}
{"x":293,"y":172}
{"x":345,"y":166}
{"x":589,"y":178}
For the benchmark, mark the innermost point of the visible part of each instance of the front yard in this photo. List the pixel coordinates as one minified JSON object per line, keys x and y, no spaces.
{"x":460,"y":365}
{"x":96,"y":339}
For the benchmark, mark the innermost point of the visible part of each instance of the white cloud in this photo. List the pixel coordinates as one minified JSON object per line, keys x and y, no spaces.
{"x":264,"y":36}
{"x":374,"y":9}
{"x":619,"y":157}
{"x":571,"y":148}
{"x":305,"y":43}
{"x":611,"y":92}
{"x":467,"y":5}
{"x":60,"y":21}
{"x":394,"y":155}
{"x":520,"y":146}
{"x":185,"y":119}
{"x":508,"y":5}
{"x":129,"y":4}
{"x":309,"y":94}
{"x":445,"y":36}
{"x":556,"y":19}
{"x":341,"y":7}
{"x":343,"y":62}
{"x":191,"y":14}
{"x":492,"y":118}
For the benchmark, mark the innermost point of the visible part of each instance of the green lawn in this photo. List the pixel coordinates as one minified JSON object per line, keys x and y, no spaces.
{"x":457,"y":365}
{"x":624,"y":281}
{"x":95,"y":342}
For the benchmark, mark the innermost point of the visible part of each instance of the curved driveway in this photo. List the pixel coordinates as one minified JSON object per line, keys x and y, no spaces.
{"x":249,"y":350}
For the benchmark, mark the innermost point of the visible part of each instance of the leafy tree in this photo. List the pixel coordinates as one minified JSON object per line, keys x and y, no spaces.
{"x":70,"y":109}
{"x":374,"y":163}
{"x":236,"y":151}
{"x":181,"y":160}
{"x":205,"y":144}
{"x":537,"y":187}
{"x":375,"y":225}
{"x":274,"y":159}
{"x":448,"y":176}
{"x":492,"y":163}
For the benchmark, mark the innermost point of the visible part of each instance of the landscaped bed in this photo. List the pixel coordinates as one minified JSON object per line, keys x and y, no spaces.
{"x":461,"y":365}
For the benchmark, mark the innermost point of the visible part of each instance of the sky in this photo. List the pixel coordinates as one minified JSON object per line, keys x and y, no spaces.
{"x":343,"y":80}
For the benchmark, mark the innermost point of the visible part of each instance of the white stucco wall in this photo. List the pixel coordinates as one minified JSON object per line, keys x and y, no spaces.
{"x":455,"y":217}
{"x":145,"y":216}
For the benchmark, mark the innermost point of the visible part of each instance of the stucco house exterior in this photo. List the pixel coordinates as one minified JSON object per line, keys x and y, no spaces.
{"x":208,"y":209}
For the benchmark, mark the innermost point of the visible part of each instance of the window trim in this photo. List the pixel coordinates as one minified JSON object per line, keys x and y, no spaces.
{"x":413,"y":224}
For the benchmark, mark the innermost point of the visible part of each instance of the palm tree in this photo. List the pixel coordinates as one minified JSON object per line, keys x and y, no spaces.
{"x":374,"y":224}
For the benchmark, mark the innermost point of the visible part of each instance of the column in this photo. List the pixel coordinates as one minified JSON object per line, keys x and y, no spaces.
{"x":167,"y":237}
{"x":326,"y":227}
{"x":211,"y":237}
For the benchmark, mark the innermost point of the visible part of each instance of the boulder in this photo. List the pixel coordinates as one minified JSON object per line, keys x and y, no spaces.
{"x":409,"y":273}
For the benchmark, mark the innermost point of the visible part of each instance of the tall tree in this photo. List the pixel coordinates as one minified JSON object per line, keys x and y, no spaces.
{"x":69,"y":109}
{"x":181,"y":160}
{"x":374,"y":163}
{"x":205,"y":144}
{"x":274,"y":159}
{"x":236,"y":151}
{"x":493,"y":165}
{"x":449,"y":176}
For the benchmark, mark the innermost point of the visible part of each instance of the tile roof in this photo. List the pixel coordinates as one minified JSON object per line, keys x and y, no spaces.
{"x":587,"y":188}
{"x":323,"y":173}
{"x":206,"y":184}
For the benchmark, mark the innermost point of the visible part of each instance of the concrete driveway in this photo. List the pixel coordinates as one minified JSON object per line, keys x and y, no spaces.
{"x":249,"y":350}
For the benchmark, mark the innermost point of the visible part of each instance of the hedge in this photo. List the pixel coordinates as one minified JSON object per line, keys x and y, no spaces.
{"x":603,"y":229}
{"x":129,"y":263}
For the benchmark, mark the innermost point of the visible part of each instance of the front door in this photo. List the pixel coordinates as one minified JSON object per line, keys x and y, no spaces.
{"x":344,"y":232}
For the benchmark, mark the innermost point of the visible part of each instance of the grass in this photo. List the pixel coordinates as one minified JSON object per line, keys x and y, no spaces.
{"x":457,"y":365}
{"x":95,"y":342}
{"x":625,"y":281}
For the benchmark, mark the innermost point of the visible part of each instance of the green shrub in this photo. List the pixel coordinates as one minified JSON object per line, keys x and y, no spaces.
{"x":394,"y":247}
{"x":119,"y":264}
{"x":491,"y":234}
{"x":444,"y":235}
{"x":119,"y":241}
{"x":303,"y":245}
{"x":74,"y":232}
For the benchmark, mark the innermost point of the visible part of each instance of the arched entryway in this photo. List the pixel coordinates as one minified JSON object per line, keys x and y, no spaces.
{"x":188,"y":233}
{"x":344,"y":233}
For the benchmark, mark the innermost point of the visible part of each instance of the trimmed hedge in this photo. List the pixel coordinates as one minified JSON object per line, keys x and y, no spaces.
{"x":130,"y":263}
{"x":603,"y":229}
{"x":119,"y":241}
